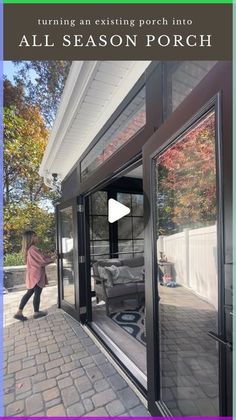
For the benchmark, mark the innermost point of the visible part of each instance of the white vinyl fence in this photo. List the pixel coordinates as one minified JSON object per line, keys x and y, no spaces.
{"x":194,"y":254}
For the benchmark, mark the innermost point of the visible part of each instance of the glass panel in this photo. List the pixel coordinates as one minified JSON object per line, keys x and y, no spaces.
{"x":137,"y":205}
{"x":129,"y":122}
{"x":118,"y":298}
{"x":188,"y":282}
{"x":138,"y":227}
{"x":100,"y":248}
{"x":183,"y":78}
{"x":125,"y":228}
{"x":139,"y":246}
{"x":99,"y":203}
{"x":124,"y":199}
{"x":100,"y":227}
{"x":125,"y":246}
{"x":91,"y":228}
{"x":67,"y":247}
{"x":125,"y":257}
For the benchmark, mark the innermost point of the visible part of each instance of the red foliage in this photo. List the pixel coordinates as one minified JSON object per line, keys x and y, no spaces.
{"x":188,"y":169}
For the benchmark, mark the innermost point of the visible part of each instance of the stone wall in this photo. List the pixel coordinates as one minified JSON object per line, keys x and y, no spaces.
{"x":14,"y":277}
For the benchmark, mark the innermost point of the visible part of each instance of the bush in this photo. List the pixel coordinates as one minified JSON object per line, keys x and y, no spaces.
{"x":13,"y":259}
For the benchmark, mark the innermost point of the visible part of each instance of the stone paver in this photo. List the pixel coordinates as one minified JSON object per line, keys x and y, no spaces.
{"x":70,"y":396}
{"x":64,"y":383}
{"x":103,"y":398}
{"x":15,"y":408}
{"x":83,"y":384}
{"x":76,"y":410}
{"x":34,"y":404}
{"x":117,"y":382}
{"x":51,"y":394}
{"x":54,"y":369}
{"x":101,"y":385}
{"x":115,"y":408}
{"x":56,"y":411}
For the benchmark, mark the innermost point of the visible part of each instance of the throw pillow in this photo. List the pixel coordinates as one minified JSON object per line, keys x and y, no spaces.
{"x":122,"y":274}
{"x":125,"y":274}
{"x":113,"y":270}
{"x":137,"y":273}
{"x":105,"y":274}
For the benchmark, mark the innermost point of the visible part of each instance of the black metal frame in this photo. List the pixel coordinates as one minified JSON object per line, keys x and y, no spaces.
{"x":214,"y":90}
{"x":130,"y":151}
{"x":132,"y":217}
{"x":113,"y":234}
{"x":118,"y":112}
{"x":119,"y":356}
{"x":73,"y":310}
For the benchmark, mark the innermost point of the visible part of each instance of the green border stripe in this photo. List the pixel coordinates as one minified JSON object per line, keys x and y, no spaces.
{"x":234,"y":211}
{"x":119,"y":1}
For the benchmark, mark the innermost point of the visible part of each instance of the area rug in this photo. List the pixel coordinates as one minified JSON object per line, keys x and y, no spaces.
{"x":132,"y":321}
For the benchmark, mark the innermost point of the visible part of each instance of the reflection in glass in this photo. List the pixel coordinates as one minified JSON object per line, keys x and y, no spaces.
{"x":139,"y":246}
{"x":127,"y":124}
{"x":125,"y":228}
{"x":138,"y":227}
{"x":101,"y":249}
{"x":67,"y":251}
{"x":183,"y":77}
{"x":137,"y":204}
{"x":100,"y":228}
{"x":98,"y":203}
{"x":131,"y":227}
{"x":187,"y":275}
{"x":117,"y":276}
{"x":125,"y":246}
{"x":125,"y":199}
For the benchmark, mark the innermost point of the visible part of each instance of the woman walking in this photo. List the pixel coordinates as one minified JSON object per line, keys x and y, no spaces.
{"x":36,"y":277}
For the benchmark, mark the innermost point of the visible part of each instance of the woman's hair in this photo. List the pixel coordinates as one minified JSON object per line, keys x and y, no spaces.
{"x":27,"y":241}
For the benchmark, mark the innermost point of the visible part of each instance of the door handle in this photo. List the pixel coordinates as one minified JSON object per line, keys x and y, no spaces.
{"x":220,"y":340}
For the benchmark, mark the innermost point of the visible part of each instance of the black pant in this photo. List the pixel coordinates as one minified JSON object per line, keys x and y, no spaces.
{"x":36,"y":302}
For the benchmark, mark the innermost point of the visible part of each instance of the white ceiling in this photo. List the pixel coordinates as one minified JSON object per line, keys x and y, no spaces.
{"x":93,"y":91}
{"x":136,"y":173}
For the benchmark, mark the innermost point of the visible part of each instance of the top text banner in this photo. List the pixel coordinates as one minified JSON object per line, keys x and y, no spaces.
{"x":118,"y":32}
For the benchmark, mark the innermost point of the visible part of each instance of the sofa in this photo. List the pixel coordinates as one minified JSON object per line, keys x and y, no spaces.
{"x":116,"y":279}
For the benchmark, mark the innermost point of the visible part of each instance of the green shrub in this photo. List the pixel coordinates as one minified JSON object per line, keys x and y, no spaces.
{"x":13,"y":259}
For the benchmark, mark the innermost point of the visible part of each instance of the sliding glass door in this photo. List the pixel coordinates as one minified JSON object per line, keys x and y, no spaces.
{"x":188,"y":327}
{"x":188,"y":281}
{"x":67,"y":255}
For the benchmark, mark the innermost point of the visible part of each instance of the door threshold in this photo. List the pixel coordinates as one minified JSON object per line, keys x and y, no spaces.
{"x":95,"y":333}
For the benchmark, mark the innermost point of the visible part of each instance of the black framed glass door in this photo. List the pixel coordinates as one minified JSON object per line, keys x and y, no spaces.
{"x":68,"y":267}
{"x":188,"y":280}
{"x":187,"y":286}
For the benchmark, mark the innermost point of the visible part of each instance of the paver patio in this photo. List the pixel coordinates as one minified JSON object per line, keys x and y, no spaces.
{"x":53,"y":368}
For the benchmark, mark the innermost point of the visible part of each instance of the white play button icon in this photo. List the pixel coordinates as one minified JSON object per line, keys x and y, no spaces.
{"x":116,"y":210}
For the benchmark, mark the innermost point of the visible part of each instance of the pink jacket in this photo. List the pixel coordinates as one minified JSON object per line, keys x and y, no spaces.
{"x":35,"y":268}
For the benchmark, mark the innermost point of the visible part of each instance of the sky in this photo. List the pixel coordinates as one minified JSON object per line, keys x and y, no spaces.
{"x":9,"y":70}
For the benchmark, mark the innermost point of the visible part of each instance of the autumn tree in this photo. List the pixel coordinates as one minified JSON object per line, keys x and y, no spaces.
{"x":187,"y":180}
{"x":44,"y":82}
{"x":14,"y":95}
{"x":25,"y":139}
{"x":26,"y":198}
